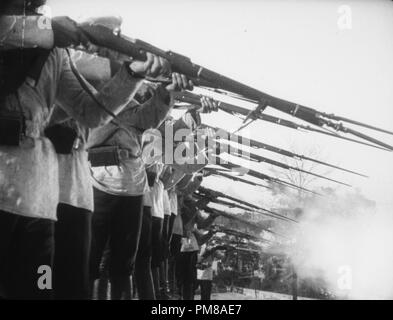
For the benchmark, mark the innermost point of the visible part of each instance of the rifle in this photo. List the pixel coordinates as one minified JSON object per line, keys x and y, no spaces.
{"x":234,"y":217}
{"x":104,"y":37}
{"x":194,"y":100}
{"x":236,"y":233}
{"x":213,"y":195}
{"x":221,"y":202}
{"x":264,"y":146}
{"x":258,"y":158}
{"x":235,"y":205}
{"x":259,"y":175}
{"x":217,"y":172}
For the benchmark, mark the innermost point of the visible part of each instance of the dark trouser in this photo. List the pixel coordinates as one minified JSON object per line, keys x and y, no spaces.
{"x":165,"y":237}
{"x":102,"y":290}
{"x":175,"y":246}
{"x":188,"y":271}
{"x":206,"y":289}
{"x":165,"y":267}
{"x":165,"y":255}
{"x":156,"y":241}
{"x":143,"y":275}
{"x":72,"y":253}
{"x":171,"y":223}
{"x":157,"y":254}
{"x":117,"y":219}
{"x":26,"y":244}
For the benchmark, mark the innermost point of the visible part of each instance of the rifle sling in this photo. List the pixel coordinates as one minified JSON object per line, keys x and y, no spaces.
{"x":118,"y":122}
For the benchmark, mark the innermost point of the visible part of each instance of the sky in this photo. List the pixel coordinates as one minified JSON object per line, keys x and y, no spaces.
{"x":295,"y":50}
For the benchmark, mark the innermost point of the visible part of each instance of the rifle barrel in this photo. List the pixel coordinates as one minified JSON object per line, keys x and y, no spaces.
{"x":262,"y":176}
{"x":233,"y":217}
{"x":296,"y":126}
{"x":267,"y":212}
{"x":194,"y":99}
{"x":238,"y":233}
{"x":252,"y":156}
{"x":228,"y":176}
{"x":264,"y":146}
{"x":338,"y":118}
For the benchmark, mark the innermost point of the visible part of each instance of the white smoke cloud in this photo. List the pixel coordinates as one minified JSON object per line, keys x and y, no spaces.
{"x":349,"y":244}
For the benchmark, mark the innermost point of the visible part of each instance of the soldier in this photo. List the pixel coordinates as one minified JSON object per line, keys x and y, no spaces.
{"x":36,"y":80}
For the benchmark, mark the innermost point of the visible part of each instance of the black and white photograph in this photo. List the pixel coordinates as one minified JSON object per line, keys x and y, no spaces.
{"x":196,"y":150}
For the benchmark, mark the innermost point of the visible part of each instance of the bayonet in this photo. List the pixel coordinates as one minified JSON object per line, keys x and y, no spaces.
{"x":258,"y":158}
{"x":260,"y":145}
{"x":338,"y":118}
{"x":259,"y":175}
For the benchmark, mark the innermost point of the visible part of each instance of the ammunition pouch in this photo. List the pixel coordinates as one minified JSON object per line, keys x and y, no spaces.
{"x":12,"y":129}
{"x":108,"y":156}
{"x":203,"y":265}
{"x":62,"y":137}
{"x":104,"y":156}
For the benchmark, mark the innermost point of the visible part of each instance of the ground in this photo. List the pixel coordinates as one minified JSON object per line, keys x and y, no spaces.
{"x":250,"y":295}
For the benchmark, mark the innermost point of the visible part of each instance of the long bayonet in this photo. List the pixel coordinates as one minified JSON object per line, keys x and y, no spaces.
{"x":259,"y":175}
{"x":258,"y":158}
{"x":338,"y":118}
{"x":260,"y":145}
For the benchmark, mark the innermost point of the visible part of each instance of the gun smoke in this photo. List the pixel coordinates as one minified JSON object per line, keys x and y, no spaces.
{"x":346,"y":241}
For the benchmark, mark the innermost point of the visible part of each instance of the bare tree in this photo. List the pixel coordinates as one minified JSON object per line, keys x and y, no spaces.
{"x":299,"y":178}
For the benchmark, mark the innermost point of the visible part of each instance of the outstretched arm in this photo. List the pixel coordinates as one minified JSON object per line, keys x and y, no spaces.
{"x":115,"y":95}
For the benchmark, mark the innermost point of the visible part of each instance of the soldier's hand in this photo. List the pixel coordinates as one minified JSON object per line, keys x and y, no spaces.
{"x":66,"y":33}
{"x":179,"y":83}
{"x":202,"y":203}
{"x":208,"y":105}
{"x":214,"y":229}
{"x":153,"y":67}
{"x":214,"y":214}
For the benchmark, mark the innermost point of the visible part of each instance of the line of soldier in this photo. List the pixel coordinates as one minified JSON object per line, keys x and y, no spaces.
{"x":79,"y":193}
